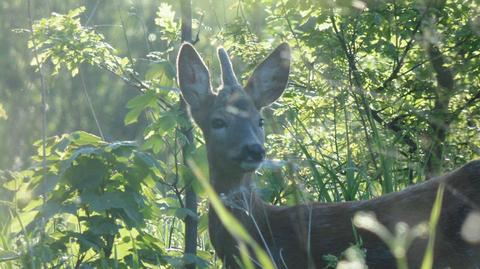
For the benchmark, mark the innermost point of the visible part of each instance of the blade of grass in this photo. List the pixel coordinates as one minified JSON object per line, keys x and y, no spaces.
{"x":432,"y":225}
{"x":316,"y":174}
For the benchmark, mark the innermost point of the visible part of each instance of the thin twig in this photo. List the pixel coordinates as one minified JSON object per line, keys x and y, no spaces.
{"x":93,"y":12}
{"x":43,"y":89}
{"x":89,"y":101}
{"x":44,"y":120}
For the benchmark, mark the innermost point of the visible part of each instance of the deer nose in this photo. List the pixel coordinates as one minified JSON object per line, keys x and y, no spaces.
{"x":254,"y":152}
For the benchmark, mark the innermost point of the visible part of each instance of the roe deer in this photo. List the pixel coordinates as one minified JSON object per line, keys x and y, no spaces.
{"x":298,"y":237}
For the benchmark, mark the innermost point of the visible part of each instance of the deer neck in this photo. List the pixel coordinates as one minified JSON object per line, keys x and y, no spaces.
{"x":227,"y":182}
{"x":236,"y":191}
{"x":238,"y":197}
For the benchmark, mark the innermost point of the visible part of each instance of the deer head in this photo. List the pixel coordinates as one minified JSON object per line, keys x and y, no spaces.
{"x":230,"y":118}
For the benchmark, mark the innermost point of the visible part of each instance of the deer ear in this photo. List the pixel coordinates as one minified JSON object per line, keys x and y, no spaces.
{"x":269,"y":79}
{"x":193,"y":77}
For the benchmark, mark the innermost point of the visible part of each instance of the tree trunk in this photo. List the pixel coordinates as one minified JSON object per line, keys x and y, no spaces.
{"x":187,"y":131}
{"x":440,"y":115}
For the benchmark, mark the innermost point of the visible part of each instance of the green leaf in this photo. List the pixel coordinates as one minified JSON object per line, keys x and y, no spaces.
{"x":46,"y":184}
{"x":122,"y":145}
{"x":166,"y":124}
{"x":143,"y":100}
{"x":203,"y":223}
{"x":64,"y":165}
{"x":87,"y":173}
{"x":162,"y":70}
{"x":181,"y":212}
{"x":82,"y":138}
{"x":8,"y":256}
{"x":132,"y":115}
{"x":76,"y":12}
{"x":115,"y":200}
{"x":52,"y":208}
{"x":101,"y":225}
{"x":88,"y":241}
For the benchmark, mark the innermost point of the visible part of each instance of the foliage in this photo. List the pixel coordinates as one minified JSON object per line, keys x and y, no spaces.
{"x":169,"y":26}
{"x":92,"y":201}
{"x":382,"y":95}
{"x":65,"y":42}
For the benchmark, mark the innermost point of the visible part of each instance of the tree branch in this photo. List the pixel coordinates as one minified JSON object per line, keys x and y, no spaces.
{"x":401,"y":61}
{"x":394,"y":125}
{"x":467,"y":104}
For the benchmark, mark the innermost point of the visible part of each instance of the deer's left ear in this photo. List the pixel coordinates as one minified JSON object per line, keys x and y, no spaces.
{"x":193,"y":78}
{"x":269,"y":79}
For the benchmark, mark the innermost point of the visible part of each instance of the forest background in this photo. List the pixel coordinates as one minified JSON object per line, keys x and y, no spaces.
{"x":382,"y":95}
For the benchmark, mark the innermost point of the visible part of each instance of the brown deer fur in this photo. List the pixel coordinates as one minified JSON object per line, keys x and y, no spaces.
{"x":299,"y":236}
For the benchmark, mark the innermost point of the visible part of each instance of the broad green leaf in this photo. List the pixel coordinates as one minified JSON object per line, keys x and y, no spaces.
{"x":6,"y":255}
{"x":132,"y":115}
{"x":143,"y":100}
{"x":100,"y":225}
{"x":82,"y":138}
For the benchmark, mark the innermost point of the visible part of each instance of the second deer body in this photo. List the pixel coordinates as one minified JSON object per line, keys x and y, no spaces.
{"x":299,"y":236}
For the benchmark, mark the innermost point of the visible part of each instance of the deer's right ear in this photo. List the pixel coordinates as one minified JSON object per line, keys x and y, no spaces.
{"x":193,"y":77}
{"x":269,"y":79}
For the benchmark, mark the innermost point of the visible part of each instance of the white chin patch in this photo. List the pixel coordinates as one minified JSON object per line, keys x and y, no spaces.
{"x":250,"y":166}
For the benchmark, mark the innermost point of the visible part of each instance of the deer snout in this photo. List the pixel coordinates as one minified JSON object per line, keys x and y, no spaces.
{"x":253,"y":152}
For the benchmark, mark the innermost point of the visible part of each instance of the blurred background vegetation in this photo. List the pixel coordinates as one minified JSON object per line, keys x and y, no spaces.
{"x":382,"y":94}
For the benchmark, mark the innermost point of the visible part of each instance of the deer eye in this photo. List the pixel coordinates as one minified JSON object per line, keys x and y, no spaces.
{"x":261,"y":122}
{"x":218,"y":123}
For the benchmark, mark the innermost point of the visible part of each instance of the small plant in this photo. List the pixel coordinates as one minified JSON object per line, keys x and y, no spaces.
{"x":91,"y":206}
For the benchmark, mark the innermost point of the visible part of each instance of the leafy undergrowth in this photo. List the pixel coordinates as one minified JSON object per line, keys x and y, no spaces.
{"x":93,"y":206}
